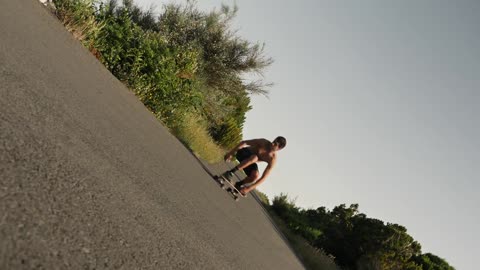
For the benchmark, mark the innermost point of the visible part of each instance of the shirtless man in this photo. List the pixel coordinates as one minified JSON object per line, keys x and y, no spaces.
{"x":248,"y":153}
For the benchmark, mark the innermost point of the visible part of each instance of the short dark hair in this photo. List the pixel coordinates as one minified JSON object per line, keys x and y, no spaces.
{"x":282,"y":142}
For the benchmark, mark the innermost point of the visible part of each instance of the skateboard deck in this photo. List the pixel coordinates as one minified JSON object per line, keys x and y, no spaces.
{"x":227,"y":185}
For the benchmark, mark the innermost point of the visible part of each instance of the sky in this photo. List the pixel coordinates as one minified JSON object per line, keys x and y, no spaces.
{"x":379,"y":103}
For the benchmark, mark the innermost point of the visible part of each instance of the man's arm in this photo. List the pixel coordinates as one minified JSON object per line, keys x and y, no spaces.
{"x":265,"y":174}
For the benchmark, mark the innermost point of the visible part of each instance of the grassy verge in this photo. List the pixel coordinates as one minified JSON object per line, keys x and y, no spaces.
{"x":192,"y":132}
{"x":78,"y":17}
{"x":180,"y":61}
{"x":312,"y":258}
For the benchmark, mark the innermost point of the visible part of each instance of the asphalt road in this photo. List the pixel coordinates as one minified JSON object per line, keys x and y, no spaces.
{"x":89,"y":179}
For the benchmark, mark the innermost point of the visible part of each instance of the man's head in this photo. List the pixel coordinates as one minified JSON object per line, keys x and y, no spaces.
{"x":280,"y":142}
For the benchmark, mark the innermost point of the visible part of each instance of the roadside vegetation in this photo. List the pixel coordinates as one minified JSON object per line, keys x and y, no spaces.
{"x":188,"y":68}
{"x":313,"y":258}
{"x":354,"y":240}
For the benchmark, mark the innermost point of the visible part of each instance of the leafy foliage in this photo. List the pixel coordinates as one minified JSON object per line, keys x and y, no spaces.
{"x":263,"y":197}
{"x":429,"y":261}
{"x":182,"y":62}
{"x":78,"y":18}
{"x":356,"y":241}
{"x":224,"y":58}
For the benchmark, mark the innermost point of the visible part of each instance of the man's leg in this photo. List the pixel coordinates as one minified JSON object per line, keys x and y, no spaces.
{"x":244,"y":164}
{"x":247,"y":162}
{"x":251,"y":178}
{"x":252,"y":175}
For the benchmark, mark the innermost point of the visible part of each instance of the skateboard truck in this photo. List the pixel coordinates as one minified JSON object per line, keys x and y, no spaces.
{"x":227,"y":185}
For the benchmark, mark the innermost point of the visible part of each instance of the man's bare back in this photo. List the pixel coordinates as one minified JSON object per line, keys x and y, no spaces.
{"x":262,"y":148}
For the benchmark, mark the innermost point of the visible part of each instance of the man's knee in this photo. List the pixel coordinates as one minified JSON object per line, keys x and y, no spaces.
{"x":254,"y":176}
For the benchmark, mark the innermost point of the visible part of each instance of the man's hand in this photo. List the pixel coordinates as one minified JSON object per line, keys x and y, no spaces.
{"x":245,"y":190}
{"x":227,"y":157}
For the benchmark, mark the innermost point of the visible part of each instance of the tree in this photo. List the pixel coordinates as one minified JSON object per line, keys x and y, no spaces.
{"x":356,"y":241}
{"x":429,"y":261}
{"x":223,"y":61}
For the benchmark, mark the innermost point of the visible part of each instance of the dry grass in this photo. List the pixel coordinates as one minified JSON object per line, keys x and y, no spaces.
{"x":78,"y":18}
{"x":192,"y":131}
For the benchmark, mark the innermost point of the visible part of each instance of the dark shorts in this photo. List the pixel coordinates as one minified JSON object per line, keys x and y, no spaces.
{"x":243,"y":154}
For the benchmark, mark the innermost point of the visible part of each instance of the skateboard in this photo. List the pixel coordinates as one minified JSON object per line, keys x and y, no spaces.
{"x":227,"y":185}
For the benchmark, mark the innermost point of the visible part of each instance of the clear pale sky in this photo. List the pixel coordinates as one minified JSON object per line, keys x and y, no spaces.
{"x":379,"y":103}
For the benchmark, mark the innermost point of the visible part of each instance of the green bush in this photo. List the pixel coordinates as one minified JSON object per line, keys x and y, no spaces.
{"x":184,"y":61}
{"x":356,"y":241}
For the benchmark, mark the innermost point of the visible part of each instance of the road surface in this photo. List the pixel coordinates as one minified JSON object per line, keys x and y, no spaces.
{"x":89,"y":179}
